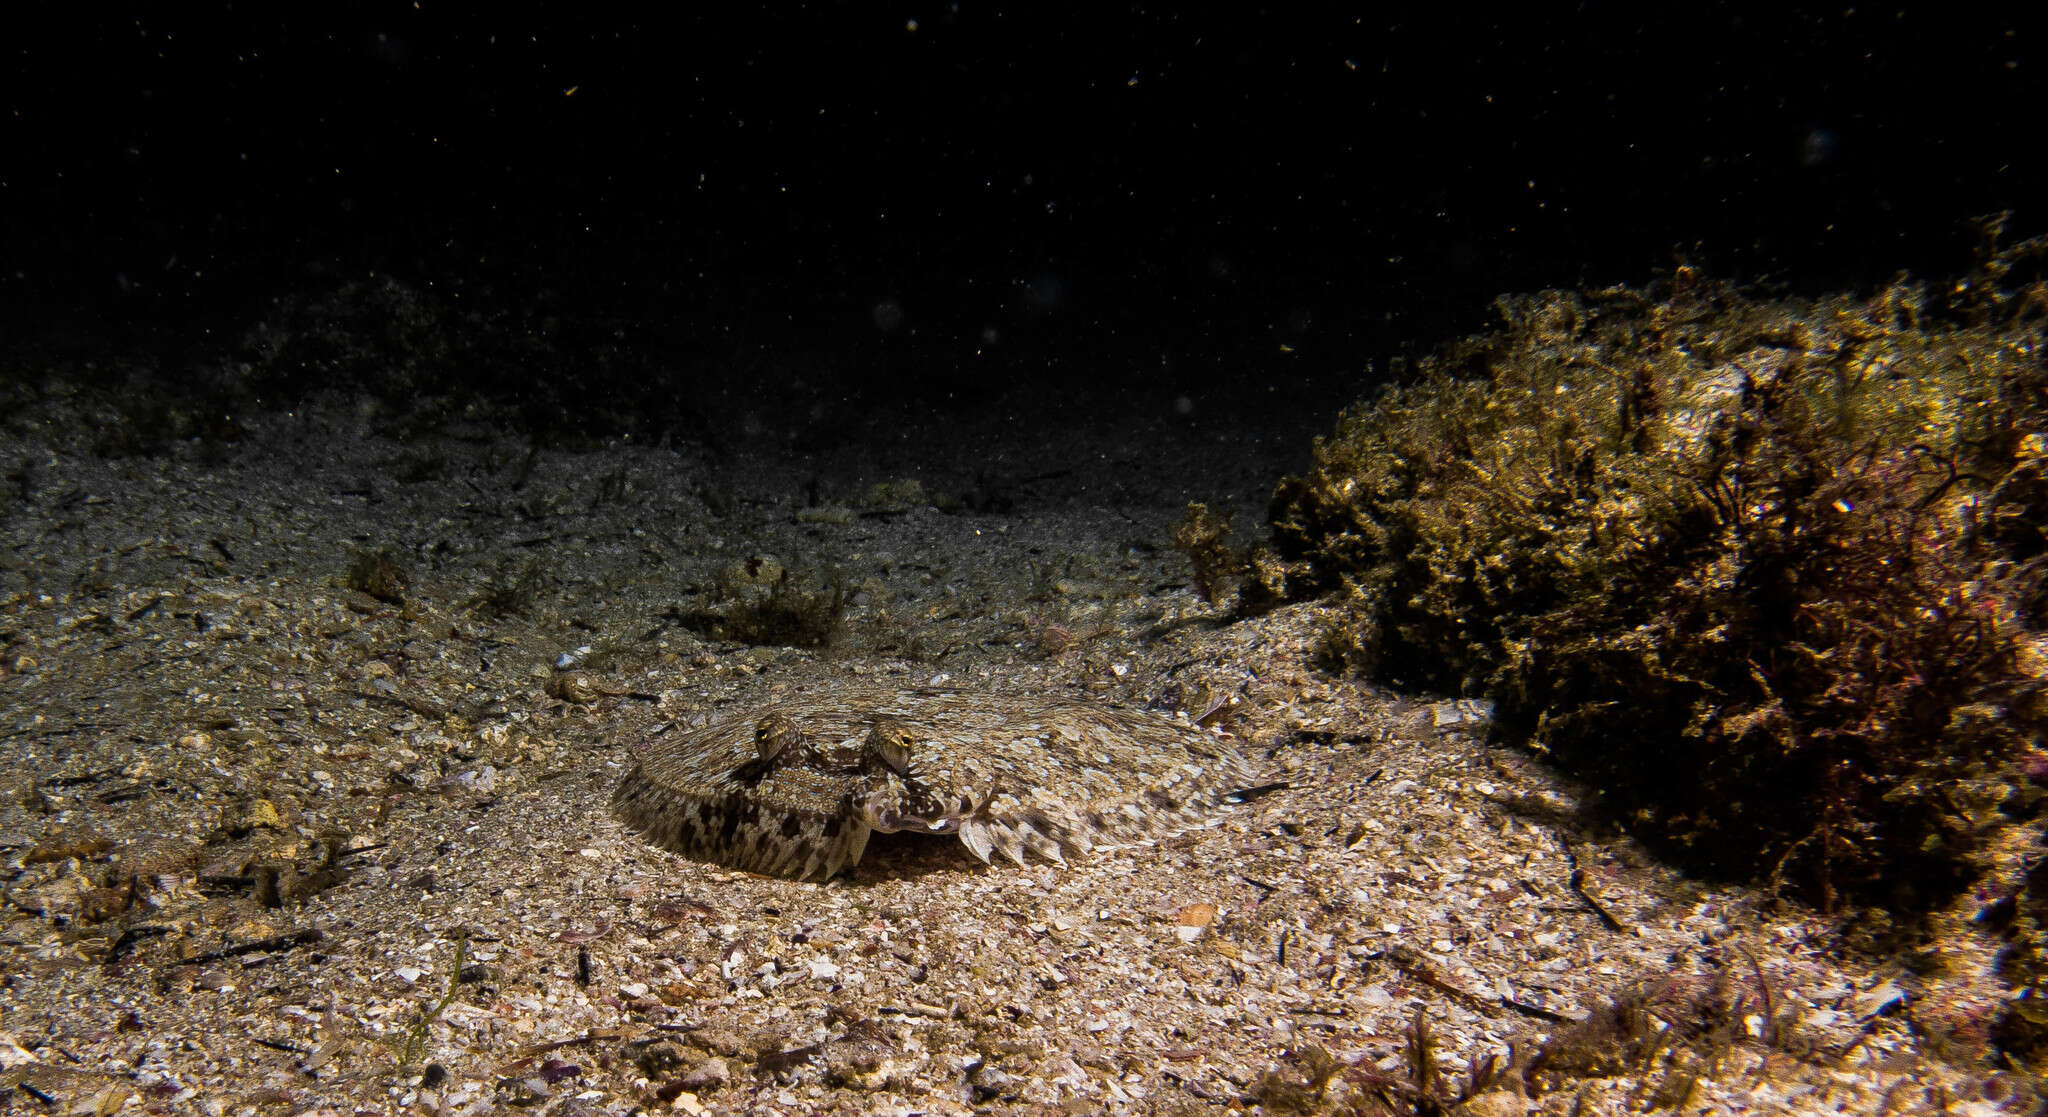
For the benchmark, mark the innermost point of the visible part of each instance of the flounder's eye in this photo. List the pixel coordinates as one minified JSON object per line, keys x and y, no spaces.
{"x":890,"y":743}
{"x":773,"y":736}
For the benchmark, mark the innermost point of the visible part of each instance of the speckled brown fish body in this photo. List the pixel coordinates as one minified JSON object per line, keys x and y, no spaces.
{"x":794,"y":786}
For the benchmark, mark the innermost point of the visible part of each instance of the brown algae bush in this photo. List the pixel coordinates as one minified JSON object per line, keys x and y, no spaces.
{"x":1768,"y":575}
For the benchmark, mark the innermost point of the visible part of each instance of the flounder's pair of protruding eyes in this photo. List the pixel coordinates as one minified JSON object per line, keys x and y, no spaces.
{"x":888,"y":743}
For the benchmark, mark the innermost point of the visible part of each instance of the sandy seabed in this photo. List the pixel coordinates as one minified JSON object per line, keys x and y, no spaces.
{"x":270,"y":844}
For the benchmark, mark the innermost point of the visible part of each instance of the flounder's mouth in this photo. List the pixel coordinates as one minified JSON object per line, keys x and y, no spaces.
{"x":984,"y":836}
{"x":891,"y":822}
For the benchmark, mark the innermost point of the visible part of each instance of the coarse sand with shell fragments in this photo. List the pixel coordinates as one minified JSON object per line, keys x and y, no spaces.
{"x":310,"y":746}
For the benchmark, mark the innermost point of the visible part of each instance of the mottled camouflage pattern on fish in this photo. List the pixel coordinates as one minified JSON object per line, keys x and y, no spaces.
{"x":794,"y":786}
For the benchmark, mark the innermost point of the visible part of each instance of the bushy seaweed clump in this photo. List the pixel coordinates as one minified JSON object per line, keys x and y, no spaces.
{"x":1763,"y":573}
